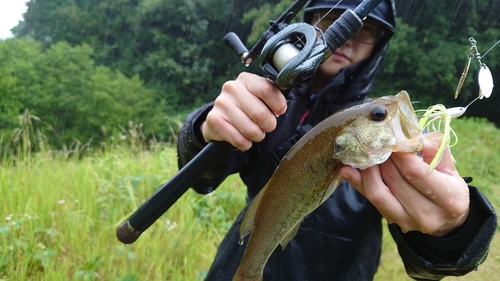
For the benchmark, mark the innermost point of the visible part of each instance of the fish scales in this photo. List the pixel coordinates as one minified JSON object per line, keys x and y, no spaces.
{"x":308,"y":174}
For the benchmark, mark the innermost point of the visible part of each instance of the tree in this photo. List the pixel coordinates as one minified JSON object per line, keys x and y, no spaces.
{"x":17,"y":72}
{"x":76,"y":98}
{"x":174,"y":46}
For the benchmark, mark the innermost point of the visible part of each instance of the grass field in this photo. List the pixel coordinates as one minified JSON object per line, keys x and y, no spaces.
{"x":59,"y":214}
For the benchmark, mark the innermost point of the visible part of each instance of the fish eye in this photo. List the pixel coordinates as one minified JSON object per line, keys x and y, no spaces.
{"x":378,"y":113}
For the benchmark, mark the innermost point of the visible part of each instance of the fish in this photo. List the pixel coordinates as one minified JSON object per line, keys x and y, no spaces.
{"x":360,"y":136}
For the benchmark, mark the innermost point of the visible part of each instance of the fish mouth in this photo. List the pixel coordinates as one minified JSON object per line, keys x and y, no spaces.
{"x":406,"y":127}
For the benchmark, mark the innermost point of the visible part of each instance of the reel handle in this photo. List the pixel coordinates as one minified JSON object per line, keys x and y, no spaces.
{"x":234,"y":44}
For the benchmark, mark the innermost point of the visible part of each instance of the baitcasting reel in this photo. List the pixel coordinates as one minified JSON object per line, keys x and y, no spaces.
{"x":291,"y":57}
{"x":291,"y":54}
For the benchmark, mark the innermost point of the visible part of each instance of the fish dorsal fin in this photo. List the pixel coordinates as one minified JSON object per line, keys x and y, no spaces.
{"x":248,"y":222}
{"x":289,"y":236}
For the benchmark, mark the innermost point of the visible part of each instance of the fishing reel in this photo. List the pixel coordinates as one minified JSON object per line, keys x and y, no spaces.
{"x":290,"y":54}
{"x":291,"y":57}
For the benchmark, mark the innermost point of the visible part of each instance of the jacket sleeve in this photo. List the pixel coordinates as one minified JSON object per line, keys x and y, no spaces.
{"x":431,"y":258}
{"x":191,"y":142}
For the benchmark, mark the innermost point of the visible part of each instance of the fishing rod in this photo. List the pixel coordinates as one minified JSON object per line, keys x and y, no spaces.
{"x":289,"y":55}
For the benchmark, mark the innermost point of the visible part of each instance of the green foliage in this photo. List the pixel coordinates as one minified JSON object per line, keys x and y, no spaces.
{"x":94,"y":65}
{"x":260,"y":16}
{"x":174,"y":46}
{"x":75,"y":98}
{"x":59,"y":218}
{"x":17,"y":72}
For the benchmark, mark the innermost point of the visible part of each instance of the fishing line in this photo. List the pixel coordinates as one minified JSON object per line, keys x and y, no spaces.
{"x":318,"y":21}
{"x":494,"y":45}
{"x":327,"y":13}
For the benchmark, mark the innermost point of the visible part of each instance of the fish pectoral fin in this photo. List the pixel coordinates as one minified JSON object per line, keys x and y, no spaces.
{"x":289,"y":236}
{"x":248,"y":222}
{"x":330,"y":188}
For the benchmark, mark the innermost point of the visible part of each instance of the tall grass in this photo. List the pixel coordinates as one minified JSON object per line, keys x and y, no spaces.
{"x":59,"y":219}
{"x":59,"y":213}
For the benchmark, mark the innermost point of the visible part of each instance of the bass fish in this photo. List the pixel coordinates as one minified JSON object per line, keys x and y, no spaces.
{"x":360,"y":136}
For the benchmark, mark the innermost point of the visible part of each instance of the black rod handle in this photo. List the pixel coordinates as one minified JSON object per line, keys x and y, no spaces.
{"x":347,"y":25}
{"x":170,"y":192}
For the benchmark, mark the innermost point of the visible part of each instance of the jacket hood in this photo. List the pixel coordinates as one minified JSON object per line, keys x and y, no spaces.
{"x":382,"y":13}
{"x":353,"y":83}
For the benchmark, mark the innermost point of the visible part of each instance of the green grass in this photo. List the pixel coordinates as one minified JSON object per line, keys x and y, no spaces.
{"x":59,"y":219}
{"x":59,"y":214}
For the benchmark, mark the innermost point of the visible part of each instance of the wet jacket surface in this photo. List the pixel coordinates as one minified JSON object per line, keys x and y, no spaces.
{"x":340,"y":240}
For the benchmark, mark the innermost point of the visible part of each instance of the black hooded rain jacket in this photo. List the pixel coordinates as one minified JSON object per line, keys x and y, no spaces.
{"x":341,"y":240}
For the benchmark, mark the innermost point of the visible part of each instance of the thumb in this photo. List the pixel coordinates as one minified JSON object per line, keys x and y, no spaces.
{"x":432,"y":142}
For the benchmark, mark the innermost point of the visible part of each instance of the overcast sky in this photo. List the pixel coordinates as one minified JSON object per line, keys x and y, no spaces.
{"x":11,"y":12}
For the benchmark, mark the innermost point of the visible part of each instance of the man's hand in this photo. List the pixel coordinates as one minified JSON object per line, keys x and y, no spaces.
{"x":244,"y":112}
{"x":406,"y":193}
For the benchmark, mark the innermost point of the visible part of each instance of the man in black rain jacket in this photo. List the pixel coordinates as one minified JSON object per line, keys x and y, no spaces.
{"x":340,"y":240}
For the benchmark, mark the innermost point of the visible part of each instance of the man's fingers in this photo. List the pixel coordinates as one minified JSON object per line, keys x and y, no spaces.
{"x":267,"y":91}
{"x":381,"y":196}
{"x":443,"y":187}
